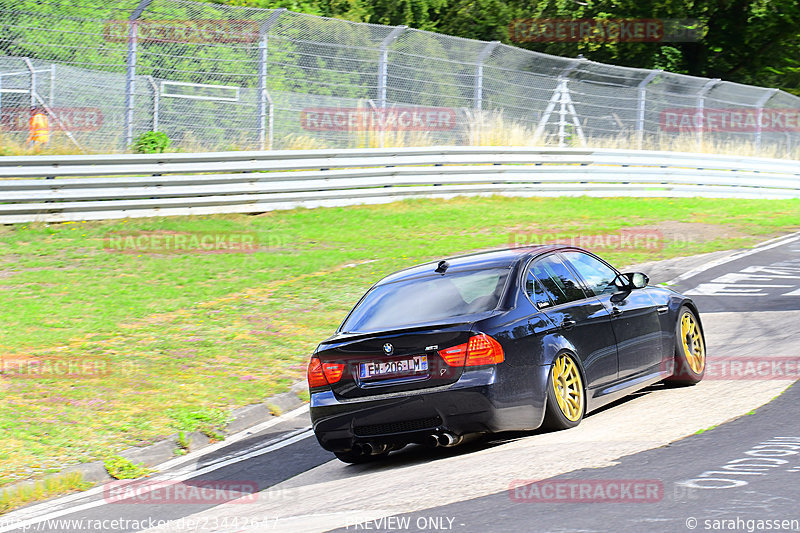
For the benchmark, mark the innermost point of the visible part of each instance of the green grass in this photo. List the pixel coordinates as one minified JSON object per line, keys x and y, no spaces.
{"x":701,"y":431}
{"x":187,"y":337}
{"x":121,"y":468}
{"x":39,"y":490}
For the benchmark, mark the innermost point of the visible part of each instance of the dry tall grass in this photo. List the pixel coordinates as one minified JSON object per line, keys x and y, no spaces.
{"x":490,"y":130}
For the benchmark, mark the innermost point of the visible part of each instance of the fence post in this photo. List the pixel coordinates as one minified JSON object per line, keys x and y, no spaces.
{"x":477,"y":96}
{"x":130,"y":82}
{"x":383,"y":76}
{"x":701,"y":102}
{"x":642,"y":105}
{"x":264,"y":100}
{"x":33,"y":82}
{"x":156,"y":98}
{"x":760,"y":113}
{"x":271,"y":107}
{"x":383,"y":65}
{"x":52,"y":84}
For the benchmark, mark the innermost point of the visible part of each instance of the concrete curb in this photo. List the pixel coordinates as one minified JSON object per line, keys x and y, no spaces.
{"x":164,"y":450}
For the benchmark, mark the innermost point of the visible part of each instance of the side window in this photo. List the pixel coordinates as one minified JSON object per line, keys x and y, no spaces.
{"x":536,"y":292}
{"x":598,"y":276}
{"x":557,"y":281}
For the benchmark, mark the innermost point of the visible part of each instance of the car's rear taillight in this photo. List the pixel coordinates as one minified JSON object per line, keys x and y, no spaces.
{"x":484,"y":350}
{"x":480,"y":350}
{"x":454,"y":356}
{"x":333,"y":371}
{"x":316,"y":378}
{"x":323,"y":374}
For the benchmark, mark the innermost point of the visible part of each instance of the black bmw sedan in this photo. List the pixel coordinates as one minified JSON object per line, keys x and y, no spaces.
{"x":496,"y":341}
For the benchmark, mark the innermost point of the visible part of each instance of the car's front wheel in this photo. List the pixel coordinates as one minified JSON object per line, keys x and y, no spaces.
{"x":566,"y":401}
{"x":690,"y":349}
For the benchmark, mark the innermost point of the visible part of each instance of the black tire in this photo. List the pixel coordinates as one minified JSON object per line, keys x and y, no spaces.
{"x":690,"y":350}
{"x":554,"y":417}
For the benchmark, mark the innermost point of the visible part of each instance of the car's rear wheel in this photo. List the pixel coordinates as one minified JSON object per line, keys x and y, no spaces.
{"x":566,"y":400}
{"x":690,"y":349}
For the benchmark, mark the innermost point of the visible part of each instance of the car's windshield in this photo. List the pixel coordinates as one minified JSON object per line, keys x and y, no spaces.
{"x":427,"y":299}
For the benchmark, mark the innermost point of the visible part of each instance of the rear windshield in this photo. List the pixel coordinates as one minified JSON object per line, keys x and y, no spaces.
{"x":427,"y":299}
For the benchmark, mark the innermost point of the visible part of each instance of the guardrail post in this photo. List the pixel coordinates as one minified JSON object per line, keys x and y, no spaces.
{"x":130,"y":81}
{"x":642,"y":105}
{"x":760,"y":113}
{"x":477,"y":96}
{"x":698,"y":114}
{"x":264,"y":100}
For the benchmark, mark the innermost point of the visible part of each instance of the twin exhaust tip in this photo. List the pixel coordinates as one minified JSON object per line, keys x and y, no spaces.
{"x":434,"y":440}
{"x":445,"y":440}
{"x":369,"y":448}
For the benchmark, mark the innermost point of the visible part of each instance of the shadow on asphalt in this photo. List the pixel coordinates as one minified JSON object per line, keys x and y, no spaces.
{"x":414,"y":454}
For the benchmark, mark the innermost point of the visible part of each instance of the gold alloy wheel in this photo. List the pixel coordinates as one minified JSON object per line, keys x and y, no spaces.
{"x":693,"y":347}
{"x":568,"y":387}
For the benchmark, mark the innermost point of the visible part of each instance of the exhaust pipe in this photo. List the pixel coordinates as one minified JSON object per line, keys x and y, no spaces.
{"x":369,"y":448}
{"x":448,"y":440}
{"x":360,"y":449}
{"x":432,"y":440}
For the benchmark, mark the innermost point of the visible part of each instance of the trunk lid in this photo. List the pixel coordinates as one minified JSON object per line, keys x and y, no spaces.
{"x":394,"y":361}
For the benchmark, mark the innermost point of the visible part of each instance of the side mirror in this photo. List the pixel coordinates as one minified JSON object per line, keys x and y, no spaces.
{"x":631,"y":280}
{"x":638,"y":280}
{"x":627,"y":282}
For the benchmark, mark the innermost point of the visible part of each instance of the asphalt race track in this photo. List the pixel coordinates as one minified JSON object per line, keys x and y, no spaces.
{"x":629,"y":467}
{"x":697,"y":484}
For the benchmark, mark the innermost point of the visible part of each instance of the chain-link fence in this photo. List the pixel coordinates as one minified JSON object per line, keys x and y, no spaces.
{"x":220,"y":77}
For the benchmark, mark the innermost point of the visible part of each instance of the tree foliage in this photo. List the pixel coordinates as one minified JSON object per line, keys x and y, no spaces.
{"x":747,"y":41}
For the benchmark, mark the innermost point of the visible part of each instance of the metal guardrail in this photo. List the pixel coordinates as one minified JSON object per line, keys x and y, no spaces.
{"x":94,"y":187}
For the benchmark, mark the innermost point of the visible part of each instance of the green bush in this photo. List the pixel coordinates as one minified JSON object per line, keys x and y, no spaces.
{"x":152,"y":142}
{"x":121,"y":468}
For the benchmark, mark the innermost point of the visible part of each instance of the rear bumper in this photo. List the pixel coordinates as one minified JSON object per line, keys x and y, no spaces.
{"x":474,"y":404}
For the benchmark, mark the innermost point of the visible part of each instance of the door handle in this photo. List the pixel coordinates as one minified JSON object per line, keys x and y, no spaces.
{"x":567,"y":324}
{"x":616,"y":311}
{"x":663,"y":309}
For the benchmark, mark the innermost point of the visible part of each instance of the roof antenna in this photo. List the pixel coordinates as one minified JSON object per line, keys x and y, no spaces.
{"x":442,"y":266}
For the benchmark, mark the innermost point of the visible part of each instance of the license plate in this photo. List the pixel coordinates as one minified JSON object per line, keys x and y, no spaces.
{"x":418,"y":363}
